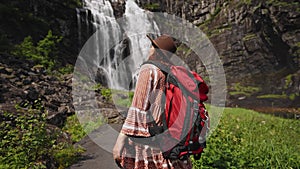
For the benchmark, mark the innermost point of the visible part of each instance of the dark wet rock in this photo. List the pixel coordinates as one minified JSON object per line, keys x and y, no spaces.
{"x":31,"y":88}
{"x":2,"y":70}
{"x":51,"y":107}
{"x":57,"y":119}
{"x":8,"y":70}
{"x":26,"y":81}
{"x":113,"y":116}
{"x":32,"y":94}
{"x":118,"y":7}
{"x":49,"y":91}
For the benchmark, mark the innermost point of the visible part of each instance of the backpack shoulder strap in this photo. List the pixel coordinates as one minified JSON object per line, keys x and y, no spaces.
{"x":163,"y":67}
{"x":159,"y":129}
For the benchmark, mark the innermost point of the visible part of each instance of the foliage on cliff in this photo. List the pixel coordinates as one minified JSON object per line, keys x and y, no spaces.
{"x":20,"y":19}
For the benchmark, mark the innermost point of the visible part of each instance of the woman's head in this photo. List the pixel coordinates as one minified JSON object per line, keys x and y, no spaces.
{"x":162,"y":48}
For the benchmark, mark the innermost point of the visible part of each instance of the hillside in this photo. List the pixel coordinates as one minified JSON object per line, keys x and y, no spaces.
{"x":258,"y":43}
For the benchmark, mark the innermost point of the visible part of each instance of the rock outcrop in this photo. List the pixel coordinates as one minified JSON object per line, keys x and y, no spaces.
{"x":251,"y":37}
{"x":257,"y":41}
{"x":24,"y":85}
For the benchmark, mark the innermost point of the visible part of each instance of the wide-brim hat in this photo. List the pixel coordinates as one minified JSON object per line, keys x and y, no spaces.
{"x":164,"y":42}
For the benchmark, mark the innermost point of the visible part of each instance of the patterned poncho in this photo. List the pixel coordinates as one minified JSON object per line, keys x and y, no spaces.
{"x":147,"y":98}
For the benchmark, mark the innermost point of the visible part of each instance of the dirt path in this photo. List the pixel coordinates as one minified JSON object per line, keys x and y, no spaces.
{"x":95,"y":156}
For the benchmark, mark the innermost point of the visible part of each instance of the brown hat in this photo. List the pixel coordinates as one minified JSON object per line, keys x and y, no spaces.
{"x":164,"y":42}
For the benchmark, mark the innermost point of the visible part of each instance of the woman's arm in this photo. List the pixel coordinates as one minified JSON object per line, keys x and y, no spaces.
{"x":118,"y":148}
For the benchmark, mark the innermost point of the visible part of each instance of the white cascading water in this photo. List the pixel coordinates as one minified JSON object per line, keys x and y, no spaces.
{"x":138,"y":25}
{"x":135,"y":23}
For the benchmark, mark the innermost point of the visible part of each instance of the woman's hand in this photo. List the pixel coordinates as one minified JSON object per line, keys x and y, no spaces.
{"x":118,"y":148}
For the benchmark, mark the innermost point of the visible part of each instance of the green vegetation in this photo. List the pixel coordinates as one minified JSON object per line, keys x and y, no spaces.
{"x":107,"y":93}
{"x":217,"y":30}
{"x":28,"y":142}
{"x":74,"y":128}
{"x":183,"y":48}
{"x":66,"y":155}
{"x":247,"y":139}
{"x":152,"y":6}
{"x":249,"y":37}
{"x":118,"y":97}
{"x":293,"y":96}
{"x":247,"y":2}
{"x":273,"y":96}
{"x":278,"y":96}
{"x":284,"y":95}
{"x":242,"y":3}
{"x":35,"y":18}
{"x":122,"y":98}
{"x":43,"y":53}
{"x":67,"y":69}
{"x":211,"y":18}
{"x":288,"y":81}
{"x":244,"y":90}
{"x":25,"y":141}
{"x":91,"y":123}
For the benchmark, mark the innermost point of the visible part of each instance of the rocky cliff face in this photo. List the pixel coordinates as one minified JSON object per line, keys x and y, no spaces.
{"x":251,"y":37}
{"x":25,"y":86}
{"x":258,"y":41}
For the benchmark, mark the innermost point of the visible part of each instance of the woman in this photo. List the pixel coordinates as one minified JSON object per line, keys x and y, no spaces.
{"x":147,"y":98}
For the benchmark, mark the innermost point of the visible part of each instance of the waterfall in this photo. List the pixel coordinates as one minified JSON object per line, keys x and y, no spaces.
{"x":138,"y":24}
{"x":104,"y":51}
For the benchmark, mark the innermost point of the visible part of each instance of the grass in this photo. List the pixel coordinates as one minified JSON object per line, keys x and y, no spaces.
{"x":74,"y":128}
{"x":239,"y":89}
{"x":66,"y":155}
{"x":278,"y":96}
{"x":118,"y":97}
{"x":121,"y":98}
{"x":248,"y":139}
{"x":273,"y":96}
{"x":243,"y":139}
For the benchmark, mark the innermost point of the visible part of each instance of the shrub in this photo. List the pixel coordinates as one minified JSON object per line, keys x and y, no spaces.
{"x":25,"y":140}
{"x":244,"y":90}
{"x":66,"y":154}
{"x":44,"y":52}
{"x":74,"y":128}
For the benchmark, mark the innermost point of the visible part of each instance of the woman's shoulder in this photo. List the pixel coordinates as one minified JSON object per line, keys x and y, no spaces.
{"x":149,"y":67}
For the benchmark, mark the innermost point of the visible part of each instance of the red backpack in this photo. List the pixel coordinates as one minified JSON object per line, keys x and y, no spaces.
{"x":185,"y":119}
